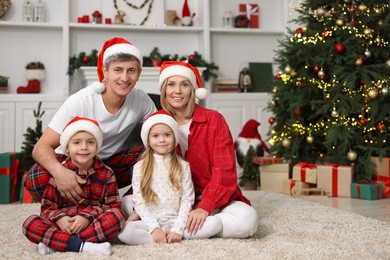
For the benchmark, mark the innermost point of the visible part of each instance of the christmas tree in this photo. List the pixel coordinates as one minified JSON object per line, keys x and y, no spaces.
{"x":330,"y":99}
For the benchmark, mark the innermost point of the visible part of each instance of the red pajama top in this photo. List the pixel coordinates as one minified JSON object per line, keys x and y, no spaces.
{"x":212,"y":160}
{"x":100,"y":194}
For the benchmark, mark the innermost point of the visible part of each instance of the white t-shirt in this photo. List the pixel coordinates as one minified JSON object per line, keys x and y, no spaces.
{"x":115,"y":127}
{"x":184,"y":131}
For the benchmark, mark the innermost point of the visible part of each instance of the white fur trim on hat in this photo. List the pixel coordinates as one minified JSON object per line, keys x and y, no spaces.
{"x":79,"y":124}
{"x":159,"y":118}
{"x":177,"y":70}
{"x":122,"y":48}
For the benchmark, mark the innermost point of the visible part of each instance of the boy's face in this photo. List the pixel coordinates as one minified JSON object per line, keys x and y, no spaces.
{"x":82,"y":148}
{"x":161,"y":139}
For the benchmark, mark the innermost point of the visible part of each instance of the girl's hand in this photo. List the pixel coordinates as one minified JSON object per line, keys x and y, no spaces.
{"x":159,"y":236}
{"x":174,"y":237}
{"x":78,"y":224}
{"x":196,"y":220}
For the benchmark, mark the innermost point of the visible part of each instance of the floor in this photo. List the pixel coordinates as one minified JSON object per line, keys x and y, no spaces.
{"x":377,"y":209}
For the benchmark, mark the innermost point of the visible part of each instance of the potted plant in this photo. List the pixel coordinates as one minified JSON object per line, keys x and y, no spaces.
{"x":30,"y":139}
{"x":3,"y":81}
{"x":250,"y":176}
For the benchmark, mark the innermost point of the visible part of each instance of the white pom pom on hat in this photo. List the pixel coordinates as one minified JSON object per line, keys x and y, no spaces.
{"x":78,"y":124}
{"x":184,"y":69}
{"x":114,"y":46}
{"x":159,"y":117}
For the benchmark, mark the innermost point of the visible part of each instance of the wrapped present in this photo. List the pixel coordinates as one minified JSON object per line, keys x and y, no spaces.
{"x":305,"y":172}
{"x":252,"y":12}
{"x":10,"y":177}
{"x":382,"y":173}
{"x":266,"y":160}
{"x":335,"y":179}
{"x":272,"y":176}
{"x":294,"y":188}
{"x":367,"y":190}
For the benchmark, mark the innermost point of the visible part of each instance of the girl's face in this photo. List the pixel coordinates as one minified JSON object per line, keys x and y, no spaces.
{"x":178,"y":92}
{"x":122,"y":76}
{"x":161,"y":139}
{"x":82,"y":148}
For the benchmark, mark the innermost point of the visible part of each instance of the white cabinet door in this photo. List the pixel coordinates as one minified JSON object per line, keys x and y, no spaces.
{"x":7,"y":126}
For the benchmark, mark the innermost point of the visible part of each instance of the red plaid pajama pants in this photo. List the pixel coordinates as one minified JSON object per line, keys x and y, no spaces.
{"x":121,"y":163}
{"x":102,"y":228}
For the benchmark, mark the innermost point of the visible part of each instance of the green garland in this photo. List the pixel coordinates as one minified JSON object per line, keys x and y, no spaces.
{"x":140,"y":7}
{"x":194,"y":59}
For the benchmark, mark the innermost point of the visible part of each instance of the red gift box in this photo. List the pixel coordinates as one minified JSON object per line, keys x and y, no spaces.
{"x":382,"y":166}
{"x":305,"y":172}
{"x":266,"y":160}
{"x":335,"y":179}
{"x":252,"y":12}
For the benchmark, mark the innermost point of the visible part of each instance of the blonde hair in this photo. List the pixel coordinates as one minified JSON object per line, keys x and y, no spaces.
{"x":189,"y":111}
{"x":175,"y":174}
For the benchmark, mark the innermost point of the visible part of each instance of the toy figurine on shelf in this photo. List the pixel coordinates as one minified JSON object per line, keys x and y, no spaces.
{"x":187,"y":17}
{"x":119,"y":17}
{"x":35,"y":73}
{"x":245,"y":80}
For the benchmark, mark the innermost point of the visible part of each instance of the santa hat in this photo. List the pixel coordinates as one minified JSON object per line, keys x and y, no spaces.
{"x":159,"y":117}
{"x":250,"y":130}
{"x":186,"y":10}
{"x":114,"y":46}
{"x":78,"y":124}
{"x":184,"y":69}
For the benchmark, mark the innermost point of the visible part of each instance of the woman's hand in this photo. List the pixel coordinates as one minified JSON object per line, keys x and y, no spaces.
{"x":159,"y":236}
{"x":196,"y":220}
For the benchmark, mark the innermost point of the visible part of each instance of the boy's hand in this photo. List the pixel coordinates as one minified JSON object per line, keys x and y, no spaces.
{"x":64,"y":224}
{"x":78,"y":224}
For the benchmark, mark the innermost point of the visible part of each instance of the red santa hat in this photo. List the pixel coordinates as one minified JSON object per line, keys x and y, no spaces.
{"x":186,"y":10}
{"x":159,"y":117}
{"x":79,"y":124}
{"x":184,"y":69}
{"x":114,"y":46}
{"x":250,"y":130}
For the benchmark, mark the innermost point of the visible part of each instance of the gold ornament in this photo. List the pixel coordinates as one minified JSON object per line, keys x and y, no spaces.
{"x":287,"y":69}
{"x":388,"y":62}
{"x":367,"y":31}
{"x":286,"y":143}
{"x":320,"y":11}
{"x":362,"y":7}
{"x":310,"y":139}
{"x":304,"y":29}
{"x":275,"y":89}
{"x":321,"y":74}
{"x":334,"y":113}
{"x":273,"y":132}
{"x":385,"y":91}
{"x":352,"y":155}
{"x":367,"y":53}
{"x":358,"y":62}
{"x":372,"y":93}
{"x":340,"y":22}
{"x":293,"y":73}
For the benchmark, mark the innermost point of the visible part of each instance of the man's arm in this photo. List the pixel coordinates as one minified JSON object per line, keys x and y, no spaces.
{"x":66,"y":180}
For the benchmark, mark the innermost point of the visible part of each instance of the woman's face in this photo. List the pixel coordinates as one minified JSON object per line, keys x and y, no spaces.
{"x":122,"y":76}
{"x":178,"y":92}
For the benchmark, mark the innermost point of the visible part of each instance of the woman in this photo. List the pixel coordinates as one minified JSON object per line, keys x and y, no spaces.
{"x":206,"y":143}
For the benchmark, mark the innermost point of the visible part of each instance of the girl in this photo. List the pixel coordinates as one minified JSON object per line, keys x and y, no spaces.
{"x":163,"y":189}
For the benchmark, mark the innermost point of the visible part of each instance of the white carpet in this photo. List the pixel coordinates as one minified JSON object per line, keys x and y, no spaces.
{"x":289,"y":228}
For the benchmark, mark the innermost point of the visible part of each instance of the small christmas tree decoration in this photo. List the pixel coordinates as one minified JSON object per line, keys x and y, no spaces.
{"x":372,"y":93}
{"x":321,"y":73}
{"x":339,"y":48}
{"x":310,"y":139}
{"x":31,"y":137}
{"x":250,"y":177}
{"x":286,"y":143}
{"x":35,"y":73}
{"x":352,"y":156}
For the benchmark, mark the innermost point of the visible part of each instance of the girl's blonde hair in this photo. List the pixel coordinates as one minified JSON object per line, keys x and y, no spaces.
{"x":175,"y":174}
{"x":163,"y":100}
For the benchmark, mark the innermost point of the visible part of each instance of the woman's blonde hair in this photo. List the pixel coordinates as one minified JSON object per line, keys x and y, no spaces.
{"x":189,"y":111}
{"x":175,"y":174}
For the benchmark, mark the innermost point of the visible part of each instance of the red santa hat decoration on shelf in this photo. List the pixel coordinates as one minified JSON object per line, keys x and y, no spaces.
{"x":248,"y":136}
{"x":187,"y":17}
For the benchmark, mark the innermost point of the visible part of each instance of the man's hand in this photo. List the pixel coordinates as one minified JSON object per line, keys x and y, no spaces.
{"x":196,"y":220}
{"x":68,"y":184}
{"x":78,"y":224}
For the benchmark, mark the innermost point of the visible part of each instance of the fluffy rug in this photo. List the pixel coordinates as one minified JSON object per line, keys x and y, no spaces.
{"x":289,"y":228}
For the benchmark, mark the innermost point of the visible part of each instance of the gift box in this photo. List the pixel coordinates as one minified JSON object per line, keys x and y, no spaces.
{"x":305,"y":172}
{"x":252,"y":12}
{"x":294,"y":188}
{"x":367,"y":191}
{"x":382,"y":173}
{"x":272,"y":176}
{"x":266,"y":160}
{"x":10,"y":177}
{"x":335,"y":179}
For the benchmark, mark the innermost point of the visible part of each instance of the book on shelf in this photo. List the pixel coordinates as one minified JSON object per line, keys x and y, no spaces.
{"x":226,"y":85}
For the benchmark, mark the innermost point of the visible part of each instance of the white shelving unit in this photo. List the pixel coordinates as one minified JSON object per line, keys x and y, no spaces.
{"x":60,"y":37}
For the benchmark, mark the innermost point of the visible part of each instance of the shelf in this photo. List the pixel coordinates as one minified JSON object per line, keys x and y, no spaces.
{"x":10,"y":24}
{"x":124,"y":27}
{"x":225,"y":30}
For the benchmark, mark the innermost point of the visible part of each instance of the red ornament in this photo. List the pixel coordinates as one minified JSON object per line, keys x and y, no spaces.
{"x":325,"y":34}
{"x":299,"y":84}
{"x":192,"y":57}
{"x":85,"y":59}
{"x":362,"y":58}
{"x":278,"y":76}
{"x":353,"y":23}
{"x":380,"y":126}
{"x":298,"y":32}
{"x":271,"y":120}
{"x":339,"y":48}
{"x":316,"y":68}
{"x":353,"y":9}
{"x":297,"y":112}
{"x":362,"y":121}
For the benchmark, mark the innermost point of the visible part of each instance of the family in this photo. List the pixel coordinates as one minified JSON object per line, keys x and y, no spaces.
{"x":183,"y":179}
